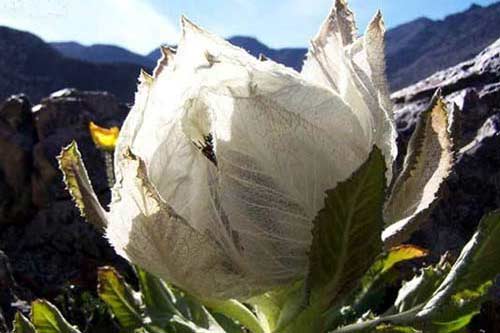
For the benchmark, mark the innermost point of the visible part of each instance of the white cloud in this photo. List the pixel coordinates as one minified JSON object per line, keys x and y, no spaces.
{"x":130,"y":23}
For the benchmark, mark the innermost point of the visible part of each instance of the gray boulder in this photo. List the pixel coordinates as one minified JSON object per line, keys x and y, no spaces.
{"x":472,"y":90}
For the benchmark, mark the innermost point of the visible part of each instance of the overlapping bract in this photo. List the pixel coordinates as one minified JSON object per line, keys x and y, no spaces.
{"x":224,"y":160}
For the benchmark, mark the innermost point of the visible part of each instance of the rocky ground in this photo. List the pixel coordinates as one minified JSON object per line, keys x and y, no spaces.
{"x":49,"y":246}
{"x":48,"y":243}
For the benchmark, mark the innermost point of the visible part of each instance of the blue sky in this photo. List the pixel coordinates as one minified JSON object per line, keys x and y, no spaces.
{"x":141,"y":25}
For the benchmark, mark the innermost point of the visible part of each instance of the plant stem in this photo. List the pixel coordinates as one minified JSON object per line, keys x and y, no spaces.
{"x":399,"y":318}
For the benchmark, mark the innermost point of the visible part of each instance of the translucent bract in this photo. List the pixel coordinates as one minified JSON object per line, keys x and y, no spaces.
{"x":224,"y":159}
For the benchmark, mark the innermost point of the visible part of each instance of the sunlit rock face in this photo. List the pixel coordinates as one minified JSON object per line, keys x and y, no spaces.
{"x":223,"y":161}
{"x":473,"y":188}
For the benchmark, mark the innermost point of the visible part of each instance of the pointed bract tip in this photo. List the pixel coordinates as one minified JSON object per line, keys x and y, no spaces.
{"x":377,"y":22}
{"x":341,"y":4}
{"x":187,"y":24}
{"x":145,"y":77}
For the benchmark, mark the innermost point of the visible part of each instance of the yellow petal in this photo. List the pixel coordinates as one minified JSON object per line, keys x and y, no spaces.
{"x":104,"y":138}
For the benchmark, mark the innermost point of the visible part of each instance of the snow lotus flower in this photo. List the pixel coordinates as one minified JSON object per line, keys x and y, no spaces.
{"x":222,"y":164}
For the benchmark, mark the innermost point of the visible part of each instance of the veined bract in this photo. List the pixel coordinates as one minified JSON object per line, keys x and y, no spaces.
{"x":223,"y":162}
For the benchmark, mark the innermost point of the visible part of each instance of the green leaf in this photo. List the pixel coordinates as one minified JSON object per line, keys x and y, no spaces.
{"x":78,"y":184}
{"x":228,"y":325}
{"x":463,"y":290}
{"x":427,"y":164}
{"x":185,"y":326}
{"x":46,"y":318}
{"x":346,"y":232}
{"x":158,"y":298}
{"x":307,"y":321}
{"x":118,"y":295}
{"x":236,"y":311}
{"x":22,"y":324}
{"x":268,"y":306}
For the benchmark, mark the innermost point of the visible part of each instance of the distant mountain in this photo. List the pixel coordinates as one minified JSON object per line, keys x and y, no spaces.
{"x":101,"y":53}
{"x":31,"y":66}
{"x":415,"y":50}
{"x":419,"y":48}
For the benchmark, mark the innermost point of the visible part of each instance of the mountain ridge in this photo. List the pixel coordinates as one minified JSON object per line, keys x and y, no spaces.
{"x":414,"y":50}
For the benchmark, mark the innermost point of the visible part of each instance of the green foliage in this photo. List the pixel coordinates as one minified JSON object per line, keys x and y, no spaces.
{"x":22,"y":324}
{"x":346,"y":233}
{"x":120,"y":299}
{"x":352,"y":261}
{"x":46,"y":318}
{"x":78,"y":184}
{"x":427,"y":164}
{"x":460,"y":295}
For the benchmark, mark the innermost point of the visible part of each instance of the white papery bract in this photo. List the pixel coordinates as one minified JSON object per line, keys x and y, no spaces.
{"x":224,"y":159}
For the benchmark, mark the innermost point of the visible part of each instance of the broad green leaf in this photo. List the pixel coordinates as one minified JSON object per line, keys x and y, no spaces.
{"x":46,"y":318}
{"x":346,"y":232}
{"x":22,"y":324}
{"x":307,"y":321}
{"x":158,"y":298}
{"x":78,"y":184}
{"x":118,"y":295}
{"x":463,"y":290}
{"x":268,"y":305}
{"x":292,"y":306}
{"x":427,"y":164}
{"x":236,"y":311}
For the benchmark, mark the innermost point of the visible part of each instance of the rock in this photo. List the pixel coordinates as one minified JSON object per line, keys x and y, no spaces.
{"x":17,"y":138}
{"x":473,"y":188}
{"x":61,"y":118}
{"x":41,"y":230}
{"x":9,"y":292}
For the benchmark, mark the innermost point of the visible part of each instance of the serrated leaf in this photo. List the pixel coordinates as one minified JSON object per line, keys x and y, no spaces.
{"x":78,"y":185}
{"x":158,"y":298}
{"x":46,"y":318}
{"x":22,"y":324}
{"x":427,"y":164}
{"x":346,"y":232}
{"x":118,"y":295}
{"x":463,"y":290}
